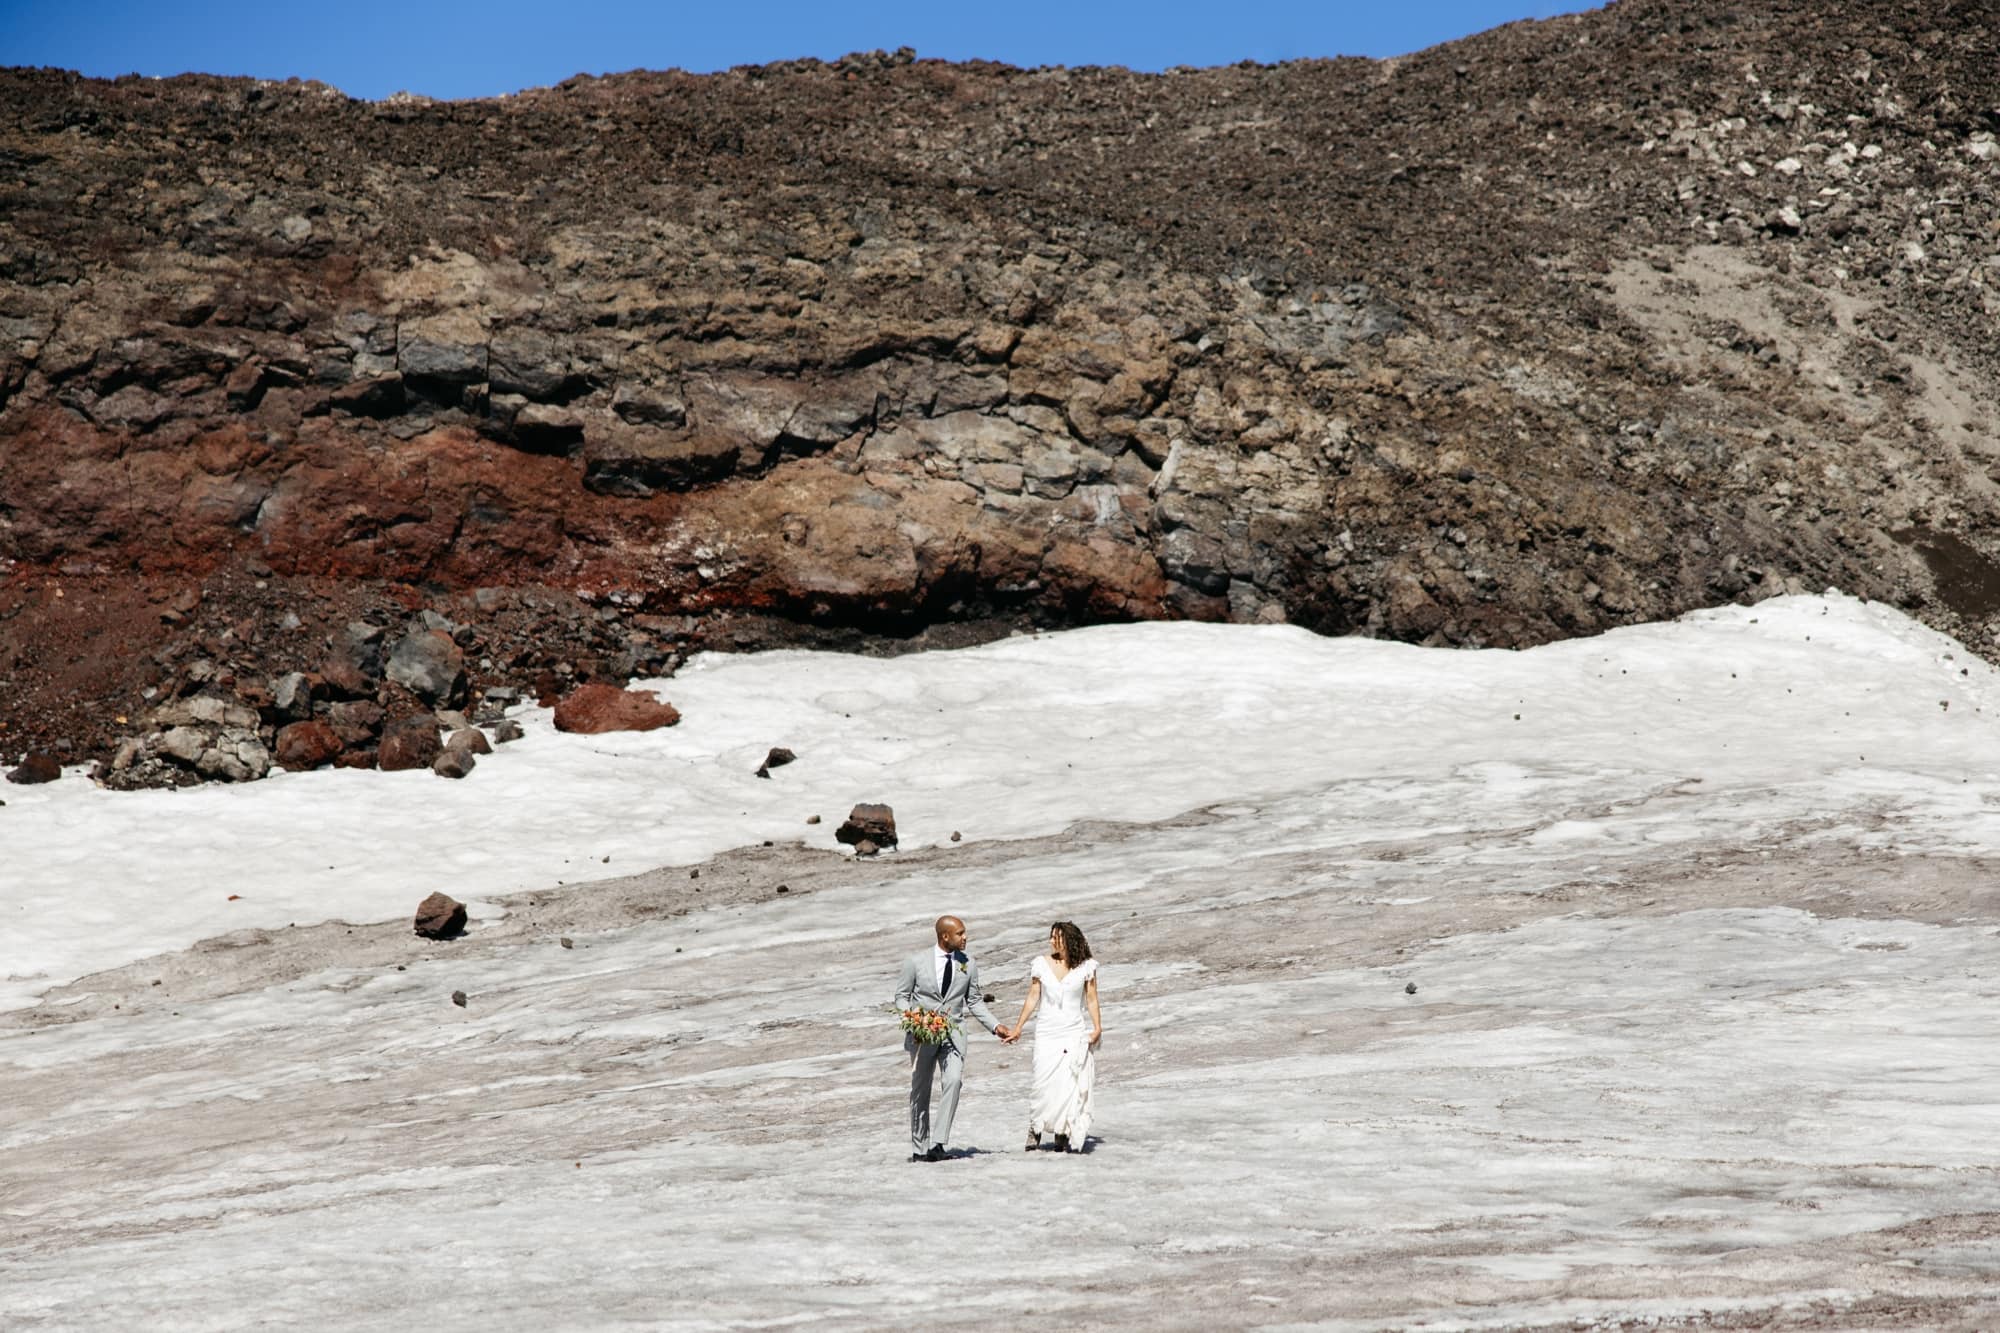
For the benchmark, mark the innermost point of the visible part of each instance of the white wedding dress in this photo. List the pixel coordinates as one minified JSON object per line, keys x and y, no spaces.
{"x":1065,"y":1064}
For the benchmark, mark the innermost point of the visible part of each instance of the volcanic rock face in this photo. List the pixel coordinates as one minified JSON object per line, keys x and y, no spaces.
{"x":1567,"y":325}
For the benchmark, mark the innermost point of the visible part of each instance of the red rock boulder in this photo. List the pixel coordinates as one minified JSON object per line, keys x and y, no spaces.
{"x":304,"y":745}
{"x":872,"y":826}
{"x":410,"y":743}
{"x":439,"y":917}
{"x":593,"y":709}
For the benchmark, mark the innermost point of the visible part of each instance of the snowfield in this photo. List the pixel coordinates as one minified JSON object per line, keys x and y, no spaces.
{"x":1701,"y":917}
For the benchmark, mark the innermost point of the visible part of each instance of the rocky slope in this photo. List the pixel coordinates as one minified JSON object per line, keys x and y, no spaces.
{"x":1566,"y":325}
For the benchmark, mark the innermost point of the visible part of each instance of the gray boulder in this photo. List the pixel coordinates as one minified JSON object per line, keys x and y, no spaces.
{"x":411,"y":742}
{"x":531,"y":364}
{"x":454,"y":762}
{"x":868,"y":828}
{"x":428,"y":664}
{"x":183,"y":744}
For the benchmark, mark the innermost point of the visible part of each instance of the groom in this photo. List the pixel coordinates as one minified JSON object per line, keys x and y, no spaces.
{"x":942,"y":978}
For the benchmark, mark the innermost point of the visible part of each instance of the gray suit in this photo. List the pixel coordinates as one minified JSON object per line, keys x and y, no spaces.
{"x":918,"y":989}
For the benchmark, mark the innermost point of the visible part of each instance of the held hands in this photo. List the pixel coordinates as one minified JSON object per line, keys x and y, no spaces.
{"x":1008,"y":1036}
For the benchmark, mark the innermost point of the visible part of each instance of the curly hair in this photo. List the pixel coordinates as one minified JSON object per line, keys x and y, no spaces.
{"x":1076,"y":949}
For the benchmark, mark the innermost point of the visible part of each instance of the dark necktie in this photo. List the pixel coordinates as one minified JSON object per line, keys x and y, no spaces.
{"x":945,"y":989}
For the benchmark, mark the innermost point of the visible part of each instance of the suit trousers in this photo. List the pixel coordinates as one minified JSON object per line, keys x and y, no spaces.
{"x":945,"y":1065}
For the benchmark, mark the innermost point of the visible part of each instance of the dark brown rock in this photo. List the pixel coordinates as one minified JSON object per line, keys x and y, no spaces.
{"x":454,"y":763}
{"x":38,"y":766}
{"x":875,"y":824}
{"x":409,"y":743}
{"x":355,"y":721}
{"x":777,"y":758}
{"x":356,"y":759}
{"x":439,"y":917}
{"x":304,"y":745}
{"x":593,"y":709}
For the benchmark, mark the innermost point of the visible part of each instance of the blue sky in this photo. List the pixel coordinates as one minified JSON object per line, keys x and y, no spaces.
{"x":370,"y":48}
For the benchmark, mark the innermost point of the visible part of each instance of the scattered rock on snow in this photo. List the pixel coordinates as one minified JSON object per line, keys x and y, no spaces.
{"x":778,"y":758}
{"x":36,"y":766}
{"x":439,"y":917}
{"x":458,"y":998}
{"x":868,"y":823}
{"x":597,"y":708}
{"x":507,"y":729}
{"x":454,"y":763}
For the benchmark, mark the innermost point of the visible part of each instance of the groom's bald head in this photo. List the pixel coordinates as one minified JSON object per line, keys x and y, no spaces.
{"x":950,"y":933}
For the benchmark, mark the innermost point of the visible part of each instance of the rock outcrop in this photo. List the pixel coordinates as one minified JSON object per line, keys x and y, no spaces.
{"x":1560,"y":327}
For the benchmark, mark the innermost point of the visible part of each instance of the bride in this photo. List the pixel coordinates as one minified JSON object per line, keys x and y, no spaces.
{"x":1063,"y":985}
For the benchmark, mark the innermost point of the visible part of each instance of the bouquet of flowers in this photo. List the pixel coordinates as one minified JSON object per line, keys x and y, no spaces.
{"x":927,"y":1027}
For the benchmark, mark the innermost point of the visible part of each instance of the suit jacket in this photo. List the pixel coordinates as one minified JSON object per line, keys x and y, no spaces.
{"x":917,"y":989}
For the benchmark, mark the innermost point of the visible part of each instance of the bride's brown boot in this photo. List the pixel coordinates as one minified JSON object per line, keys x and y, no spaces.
{"x":1062,"y":1143}
{"x":1034,"y":1140}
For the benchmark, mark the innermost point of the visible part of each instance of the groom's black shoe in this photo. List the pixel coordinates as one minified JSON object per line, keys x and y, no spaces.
{"x":936,"y":1154}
